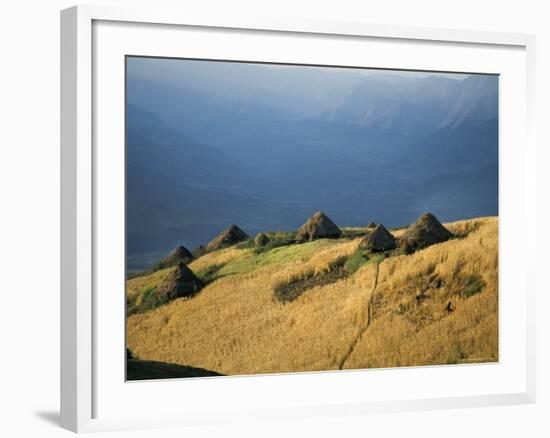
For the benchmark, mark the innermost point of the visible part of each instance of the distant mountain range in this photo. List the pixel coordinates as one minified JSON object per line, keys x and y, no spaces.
{"x":264,"y":147}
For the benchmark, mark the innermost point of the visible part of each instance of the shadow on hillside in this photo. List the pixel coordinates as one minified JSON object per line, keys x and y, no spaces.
{"x":211,"y":273}
{"x":288,"y":292}
{"x":147,"y":370}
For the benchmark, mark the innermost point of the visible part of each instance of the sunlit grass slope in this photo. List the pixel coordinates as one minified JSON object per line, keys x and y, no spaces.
{"x":436,"y":306}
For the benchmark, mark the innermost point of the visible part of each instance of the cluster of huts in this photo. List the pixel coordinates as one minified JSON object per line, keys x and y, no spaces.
{"x":182,"y":282}
{"x":426,"y":231}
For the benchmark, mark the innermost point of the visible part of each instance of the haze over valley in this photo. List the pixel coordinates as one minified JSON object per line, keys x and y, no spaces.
{"x":210,"y":144}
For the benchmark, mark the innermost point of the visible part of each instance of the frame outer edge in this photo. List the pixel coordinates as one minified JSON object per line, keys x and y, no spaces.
{"x":532,"y":201}
{"x":187,"y":17}
{"x":76,"y":238}
{"x":68,"y":220}
{"x":76,"y":337}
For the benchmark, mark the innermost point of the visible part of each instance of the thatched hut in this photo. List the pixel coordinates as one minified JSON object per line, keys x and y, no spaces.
{"x":378,"y":240}
{"x":318,"y":226}
{"x":228,"y":237}
{"x":180,"y":282}
{"x":426,"y":231}
{"x":179,"y":255}
{"x":261,"y":239}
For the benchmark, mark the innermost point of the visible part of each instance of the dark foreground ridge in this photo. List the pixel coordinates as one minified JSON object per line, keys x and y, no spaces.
{"x":147,"y":370}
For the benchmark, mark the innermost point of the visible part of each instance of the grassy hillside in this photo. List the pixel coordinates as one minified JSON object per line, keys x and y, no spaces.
{"x":436,"y":306}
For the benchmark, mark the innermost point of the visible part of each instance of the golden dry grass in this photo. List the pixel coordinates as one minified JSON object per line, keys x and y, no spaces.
{"x":235,"y":326}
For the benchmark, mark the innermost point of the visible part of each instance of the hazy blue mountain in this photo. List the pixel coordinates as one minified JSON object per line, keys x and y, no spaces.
{"x":305,"y":91}
{"x":181,"y":191}
{"x":264,"y":147}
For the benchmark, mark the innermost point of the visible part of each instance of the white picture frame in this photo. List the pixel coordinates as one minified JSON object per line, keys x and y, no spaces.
{"x":83,"y":369}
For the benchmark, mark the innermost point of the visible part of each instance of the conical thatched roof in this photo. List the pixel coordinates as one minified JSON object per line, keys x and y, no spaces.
{"x":426,"y":231}
{"x":261,"y":239}
{"x":228,"y":237}
{"x":378,"y":240}
{"x":179,"y":255}
{"x":318,"y":226}
{"x":180,"y":282}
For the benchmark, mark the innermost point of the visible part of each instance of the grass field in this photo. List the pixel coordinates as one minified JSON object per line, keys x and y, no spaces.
{"x":436,"y":306}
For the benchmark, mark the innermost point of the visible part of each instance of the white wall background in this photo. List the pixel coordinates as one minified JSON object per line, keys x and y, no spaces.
{"x":29,"y":214}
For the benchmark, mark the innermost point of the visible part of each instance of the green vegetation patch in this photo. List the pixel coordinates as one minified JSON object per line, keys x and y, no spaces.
{"x":143,"y":301}
{"x":250,"y":260}
{"x":341,"y":268}
{"x":291,"y":253}
{"x":276,"y":240}
{"x":360,"y":258}
{"x":355,"y":261}
{"x":354,"y":232}
{"x":149,"y":301}
{"x":139,"y":285}
{"x":142,"y":297}
{"x":210,"y":273}
{"x":473,"y":285}
{"x":141,"y":292}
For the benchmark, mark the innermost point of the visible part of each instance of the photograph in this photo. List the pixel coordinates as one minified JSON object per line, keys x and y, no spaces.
{"x":287,"y":218}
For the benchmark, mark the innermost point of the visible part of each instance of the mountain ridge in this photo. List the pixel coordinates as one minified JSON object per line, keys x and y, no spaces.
{"x":197,"y":161}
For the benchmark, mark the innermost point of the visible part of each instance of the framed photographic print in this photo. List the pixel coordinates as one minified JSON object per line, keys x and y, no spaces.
{"x":264,"y":208}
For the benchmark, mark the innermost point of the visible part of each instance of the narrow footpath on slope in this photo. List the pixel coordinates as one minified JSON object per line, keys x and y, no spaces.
{"x":363,"y":329}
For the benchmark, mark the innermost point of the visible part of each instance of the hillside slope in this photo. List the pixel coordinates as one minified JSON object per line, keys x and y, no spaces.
{"x":436,"y":306}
